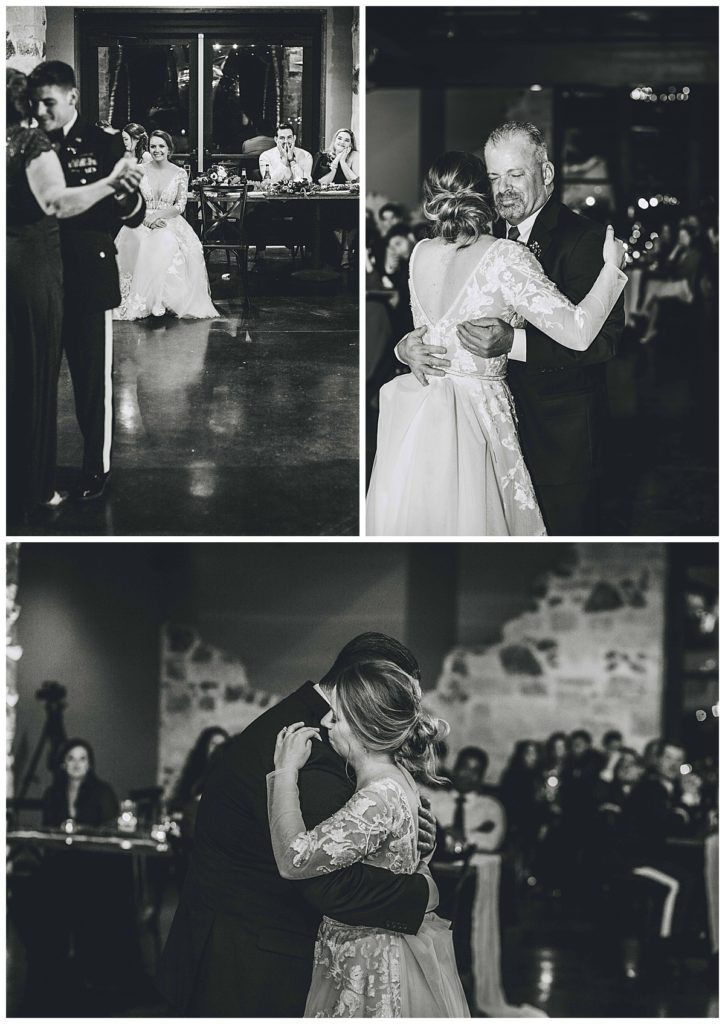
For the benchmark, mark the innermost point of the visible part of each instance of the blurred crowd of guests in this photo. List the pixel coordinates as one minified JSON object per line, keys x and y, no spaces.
{"x":612,"y":833}
{"x":671,"y":294}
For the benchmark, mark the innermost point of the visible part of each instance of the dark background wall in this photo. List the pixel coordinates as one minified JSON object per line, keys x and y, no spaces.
{"x":92,"y":614}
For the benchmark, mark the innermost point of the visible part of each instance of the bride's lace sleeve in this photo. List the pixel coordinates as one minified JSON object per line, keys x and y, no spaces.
{"x":354,"y":832}
{"x":182,"y":193}
{"x":526,"y":287}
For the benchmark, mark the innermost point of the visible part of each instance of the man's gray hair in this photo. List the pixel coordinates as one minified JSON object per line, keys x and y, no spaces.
{"x":509,"y":129}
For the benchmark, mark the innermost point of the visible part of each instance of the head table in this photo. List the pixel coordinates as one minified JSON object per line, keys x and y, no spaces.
{"x":336,"y":202}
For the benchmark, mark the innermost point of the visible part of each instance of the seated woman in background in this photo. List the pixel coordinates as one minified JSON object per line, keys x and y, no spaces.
{"x":136,"y":141}
{"x":77,"y":792}
{"x":340,"y":165}
{"x":87,"y":898}
{"x":161,"y":263}
{"x":193,"y":774}
{"x":340,"y":162}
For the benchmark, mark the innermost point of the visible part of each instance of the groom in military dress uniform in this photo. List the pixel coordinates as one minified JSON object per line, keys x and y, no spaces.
{"x":90,"y":273}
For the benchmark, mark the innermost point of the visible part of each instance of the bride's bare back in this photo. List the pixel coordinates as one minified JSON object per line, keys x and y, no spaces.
{"x":440,"y":271}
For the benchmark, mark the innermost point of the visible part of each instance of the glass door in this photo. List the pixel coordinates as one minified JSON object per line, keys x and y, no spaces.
{"x":148,"y":82}
{"x":250,"y":86}
{"x":212,"y":81}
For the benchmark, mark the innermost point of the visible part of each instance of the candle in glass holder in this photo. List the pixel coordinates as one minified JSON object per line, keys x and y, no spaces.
{"x":127,"y":820}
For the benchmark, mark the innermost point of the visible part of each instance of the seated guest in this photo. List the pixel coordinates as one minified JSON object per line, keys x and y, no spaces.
{"x":339,"y":165}
{"x":398,"y":246}
{"x":260,"y":141}
{"x":390,"y":215}
{"x":286,"y":161}
{"x":77,"y":792}
{"x":193,"y":775}
{"x":466,"y":810}
{"x":611,"y":746}
{"x":522,"y":792}
{"x":655,"y":813}
{"x":136,"y":141}
{"x":576,"y":797}
{"x":87,"y":897}
{"x":340,"y":162}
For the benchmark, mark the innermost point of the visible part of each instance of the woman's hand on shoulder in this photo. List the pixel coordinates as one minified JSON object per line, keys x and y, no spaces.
{"x":613,"y":250}
{"x":294,"y":746}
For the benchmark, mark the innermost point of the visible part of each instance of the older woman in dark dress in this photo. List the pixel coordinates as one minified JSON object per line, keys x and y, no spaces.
{"x":36,"y":195}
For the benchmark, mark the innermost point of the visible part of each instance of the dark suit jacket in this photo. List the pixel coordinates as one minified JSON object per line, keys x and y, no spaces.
{"x":560,"y":395}
{"x":90,"y":272}
{"x":242,"y":940}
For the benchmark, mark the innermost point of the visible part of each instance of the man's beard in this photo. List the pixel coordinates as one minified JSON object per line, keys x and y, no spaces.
{"x":511,"y":204}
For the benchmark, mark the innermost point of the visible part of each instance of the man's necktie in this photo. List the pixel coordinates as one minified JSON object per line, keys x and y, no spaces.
{"x":459,"y":822}
{"x":513,"y":233}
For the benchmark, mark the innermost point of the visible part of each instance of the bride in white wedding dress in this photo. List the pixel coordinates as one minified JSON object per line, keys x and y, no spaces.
{"x":161,"y":263}
{"x":449,"y":461}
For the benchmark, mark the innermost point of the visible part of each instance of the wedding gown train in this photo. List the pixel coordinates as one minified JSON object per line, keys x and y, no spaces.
{"x":163,"y":269}
{"x":449,"y":460}
{"x":363,"y":971}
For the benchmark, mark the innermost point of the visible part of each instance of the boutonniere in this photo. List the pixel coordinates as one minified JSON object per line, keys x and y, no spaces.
{"x":535,"y":248}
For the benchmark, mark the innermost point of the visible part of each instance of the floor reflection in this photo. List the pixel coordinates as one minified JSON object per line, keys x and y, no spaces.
{"x":245,"y":425}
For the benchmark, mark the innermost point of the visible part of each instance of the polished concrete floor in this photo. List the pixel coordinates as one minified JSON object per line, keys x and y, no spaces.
{"x":242,"y":426}
{"x":551,"y":959}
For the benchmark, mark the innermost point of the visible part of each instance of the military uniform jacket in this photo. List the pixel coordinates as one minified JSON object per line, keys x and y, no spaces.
{"x":87,"y":154}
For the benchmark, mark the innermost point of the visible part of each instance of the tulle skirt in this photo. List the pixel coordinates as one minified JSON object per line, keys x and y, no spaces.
{"x":162,"y":270}
{"x":364,"y":972}
{"x":449,"y":462}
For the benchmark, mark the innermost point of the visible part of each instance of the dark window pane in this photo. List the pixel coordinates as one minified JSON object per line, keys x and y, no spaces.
{"x":254,"y":88}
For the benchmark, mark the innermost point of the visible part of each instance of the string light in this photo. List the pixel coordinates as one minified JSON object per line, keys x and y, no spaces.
{"x":646,"y":94}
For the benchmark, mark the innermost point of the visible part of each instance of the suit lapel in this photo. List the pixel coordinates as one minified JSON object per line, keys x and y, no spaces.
{"x":540,"y":237}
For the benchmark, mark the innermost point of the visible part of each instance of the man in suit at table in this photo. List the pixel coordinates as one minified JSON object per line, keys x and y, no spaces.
{"x":90,"y":272}
{"x":242,"y":940}
{"x":560,"y":395}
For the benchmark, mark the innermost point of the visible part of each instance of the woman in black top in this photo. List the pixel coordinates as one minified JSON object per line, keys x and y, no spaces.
{"x":77,"y":792}
{"x":340,"y":162}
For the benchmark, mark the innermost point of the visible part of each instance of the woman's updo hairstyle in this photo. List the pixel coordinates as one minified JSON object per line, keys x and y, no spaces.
{"x":138,"y":133}
{"x":455,"y":198}
{"x":382,"y":705}
{"x":162,"y":135}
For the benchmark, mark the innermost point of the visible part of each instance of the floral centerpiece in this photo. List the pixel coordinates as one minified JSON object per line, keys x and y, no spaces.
{"x":218,"y":174}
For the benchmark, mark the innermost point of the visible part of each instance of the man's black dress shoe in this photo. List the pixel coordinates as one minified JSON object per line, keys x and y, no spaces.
{"x":91,"y":487}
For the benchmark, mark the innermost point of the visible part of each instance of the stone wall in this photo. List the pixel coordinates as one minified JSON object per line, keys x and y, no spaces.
{"x":588,"y":654}
{"x":201,"y":686}
{"x":24,"y":37}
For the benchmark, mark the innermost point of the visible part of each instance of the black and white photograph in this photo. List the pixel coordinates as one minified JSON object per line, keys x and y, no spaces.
{"x":541,"y":271}
{"x":262,"y":780}
{"x":182,"y":271}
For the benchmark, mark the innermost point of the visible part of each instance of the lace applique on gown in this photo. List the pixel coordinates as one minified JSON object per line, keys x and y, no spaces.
{"x":449,"y":460}
{"x":163,"y":269}
{"x":363,"y":971}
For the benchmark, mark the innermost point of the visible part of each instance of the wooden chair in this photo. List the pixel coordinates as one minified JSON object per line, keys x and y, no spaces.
{"x":222,"y":227}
